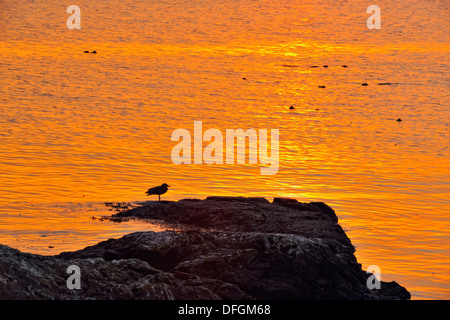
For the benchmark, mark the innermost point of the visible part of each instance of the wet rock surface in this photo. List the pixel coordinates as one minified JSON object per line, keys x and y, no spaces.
{"x":225,"y":248}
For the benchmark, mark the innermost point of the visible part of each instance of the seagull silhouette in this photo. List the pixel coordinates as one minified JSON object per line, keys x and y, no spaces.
{"x":158,"y":190}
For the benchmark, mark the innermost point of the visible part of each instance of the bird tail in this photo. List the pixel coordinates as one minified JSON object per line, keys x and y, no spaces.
{"x":150,"y":191}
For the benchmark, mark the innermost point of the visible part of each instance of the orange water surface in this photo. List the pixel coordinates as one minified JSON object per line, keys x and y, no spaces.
{"x":78,"y":129}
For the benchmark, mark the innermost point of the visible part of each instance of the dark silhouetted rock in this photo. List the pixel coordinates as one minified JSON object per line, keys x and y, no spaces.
{"x":228,"y":248}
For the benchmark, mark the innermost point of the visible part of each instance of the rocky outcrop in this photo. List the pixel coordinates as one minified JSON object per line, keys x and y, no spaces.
{"x":224,"y":248}
{"x":239,"y":214}
{"x":28,"y":276}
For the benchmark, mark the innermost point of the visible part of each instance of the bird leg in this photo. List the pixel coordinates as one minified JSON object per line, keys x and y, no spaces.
{"x":159,"y":197}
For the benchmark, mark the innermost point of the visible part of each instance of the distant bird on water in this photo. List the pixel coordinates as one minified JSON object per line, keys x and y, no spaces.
{"x":158,"y":190}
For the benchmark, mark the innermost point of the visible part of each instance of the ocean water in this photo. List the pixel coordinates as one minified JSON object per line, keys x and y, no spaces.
{"x":78,"y":130}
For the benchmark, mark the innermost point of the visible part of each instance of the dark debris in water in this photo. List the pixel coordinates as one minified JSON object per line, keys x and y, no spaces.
{"x":119,"y":206}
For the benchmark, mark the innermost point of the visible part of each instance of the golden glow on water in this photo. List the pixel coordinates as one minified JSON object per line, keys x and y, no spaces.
{"x":80,"y":129}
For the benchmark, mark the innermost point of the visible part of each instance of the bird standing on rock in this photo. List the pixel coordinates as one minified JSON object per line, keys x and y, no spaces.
{"x":158,"y":190}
